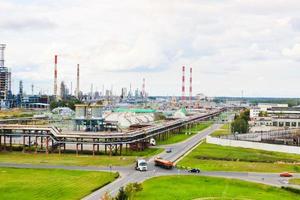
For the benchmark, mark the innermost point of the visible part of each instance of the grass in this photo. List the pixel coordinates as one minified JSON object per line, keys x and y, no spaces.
{"x":223,"y":130}
{"x":211,"y":157}
{"x":72,"y":159}
{"x":198,"y":187}
{"x":295,"y":181}
{"x":15,"y":113}
{"x":181,"y":136}
{"x":44,"y":184}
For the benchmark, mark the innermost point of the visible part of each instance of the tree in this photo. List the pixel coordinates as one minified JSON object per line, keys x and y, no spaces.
{"x":239,"y":125}
{"x":263,"y":114}
{"x":121,"y":195}
{"x":106,"y":196}
{"x":65,"y":103}
{"x":133,"y":188}
{"x":245,"y":115}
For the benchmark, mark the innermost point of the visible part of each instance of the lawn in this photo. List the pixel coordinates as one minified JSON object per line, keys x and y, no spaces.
{"x":44,"y":184}
{"x":211,"y":157}
{"x":295,"y":181}
{"x":15,"y":113}
{"x":223,"y":130}
{"x":198,"y":187}
{"x":73,"y":160}
{"x":181,"y":136}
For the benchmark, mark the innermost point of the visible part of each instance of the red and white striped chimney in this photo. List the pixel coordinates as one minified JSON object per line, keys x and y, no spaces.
{"x":191,"y":85}
{"x":55,"y":75}
{"x":183,"y":84}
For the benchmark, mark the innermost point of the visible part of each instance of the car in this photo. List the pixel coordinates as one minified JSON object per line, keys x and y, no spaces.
{"x":194,"y":170}
{"x":169,"y":150}
{"x":285,"y":174}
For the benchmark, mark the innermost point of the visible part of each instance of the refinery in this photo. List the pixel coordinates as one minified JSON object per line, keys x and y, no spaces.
{"x":149,"y":100}
{"x":98,"y":121}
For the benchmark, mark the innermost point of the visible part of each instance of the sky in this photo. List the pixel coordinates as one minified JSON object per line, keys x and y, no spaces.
{"x":232,"y":45}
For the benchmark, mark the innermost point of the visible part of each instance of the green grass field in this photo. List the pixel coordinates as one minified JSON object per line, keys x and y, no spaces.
{"x":197,"y":187}
{"x":295,"y":181}
{"x":44,"y":184}
{"x":212,"y":157}
{"x":223,"y":130}
{"x":72,"y":159}
{"x":179,"y":137}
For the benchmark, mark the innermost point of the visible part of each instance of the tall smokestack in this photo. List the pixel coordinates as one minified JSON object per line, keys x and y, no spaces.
{"x":143,"y":89}
{"x":183,"y":84}
{"x":77,"y":87}
{"x":55,"y":75}
{"x":191,"y":85}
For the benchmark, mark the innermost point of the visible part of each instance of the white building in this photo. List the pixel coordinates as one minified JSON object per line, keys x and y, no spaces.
{"x":266,"y":106}
{"x":254,"y":113}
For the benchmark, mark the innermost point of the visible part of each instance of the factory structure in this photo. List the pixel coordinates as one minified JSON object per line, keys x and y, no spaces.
{"x":132,"y":97}
{"x":61,"y":91}
{"x":5,"y":80}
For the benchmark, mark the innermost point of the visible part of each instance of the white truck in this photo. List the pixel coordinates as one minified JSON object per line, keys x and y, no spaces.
{"x":152,"y":142}
{"x":141,"y":165}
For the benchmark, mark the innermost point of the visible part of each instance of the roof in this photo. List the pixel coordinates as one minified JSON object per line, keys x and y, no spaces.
{"x":134,"y":110}
{"x":88,"y":105}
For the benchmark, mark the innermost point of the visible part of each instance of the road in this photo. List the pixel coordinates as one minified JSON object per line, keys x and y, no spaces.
{"x":128,"y":174}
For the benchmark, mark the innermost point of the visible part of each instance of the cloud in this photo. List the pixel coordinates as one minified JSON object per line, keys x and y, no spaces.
{"x":293,"y":53}
{"x":27,"y":24}
{"x":295,"y":23}
{"x":118,"y":42}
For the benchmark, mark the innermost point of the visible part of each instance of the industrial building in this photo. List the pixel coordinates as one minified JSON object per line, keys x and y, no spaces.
{"x":5,"y":80}
{"x":88,"y":117}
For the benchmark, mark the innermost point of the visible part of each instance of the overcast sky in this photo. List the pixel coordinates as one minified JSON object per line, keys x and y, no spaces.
{"x":232,"y":45}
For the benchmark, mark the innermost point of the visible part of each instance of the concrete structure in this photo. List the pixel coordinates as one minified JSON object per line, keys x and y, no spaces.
{"x":253,"y":145}
{"x":35,"y":102}
{"x":267,"y":106}
{"x":88,"y":117}
{"x":254,"y":112}
{"x":260,"y":124}
{"x":262,"y":121}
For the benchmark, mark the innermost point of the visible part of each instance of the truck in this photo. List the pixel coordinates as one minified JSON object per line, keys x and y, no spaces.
{"x":163,"y":163}
{"x":152,"y":142}
{"x":141,"y":165}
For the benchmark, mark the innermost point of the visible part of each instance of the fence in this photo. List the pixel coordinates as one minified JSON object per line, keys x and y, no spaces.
{"x":253,"y":145}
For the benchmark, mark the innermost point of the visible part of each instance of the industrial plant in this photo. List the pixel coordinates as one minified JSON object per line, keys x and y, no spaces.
{"x":96,"y":121}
